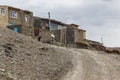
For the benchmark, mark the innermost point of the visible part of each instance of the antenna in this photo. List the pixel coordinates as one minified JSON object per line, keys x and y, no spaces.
{"x":49,"y":24}
{"x":102,"y":41}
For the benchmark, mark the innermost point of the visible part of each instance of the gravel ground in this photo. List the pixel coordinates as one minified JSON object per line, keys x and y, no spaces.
{"x":22,"y":58}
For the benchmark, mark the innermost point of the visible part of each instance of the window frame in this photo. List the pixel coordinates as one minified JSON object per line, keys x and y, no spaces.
{"x":13,"y":14}
{"x":3,"y":11}
{"x":26,"y":18}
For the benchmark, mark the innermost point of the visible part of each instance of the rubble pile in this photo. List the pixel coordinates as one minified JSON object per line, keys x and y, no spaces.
{"x":22,"y":58}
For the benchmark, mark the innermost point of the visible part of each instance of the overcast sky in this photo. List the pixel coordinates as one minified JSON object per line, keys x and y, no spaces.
{"x":101,"y":18}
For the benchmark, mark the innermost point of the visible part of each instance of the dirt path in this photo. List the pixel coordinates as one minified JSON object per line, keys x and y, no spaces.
{"x":92,"y":65}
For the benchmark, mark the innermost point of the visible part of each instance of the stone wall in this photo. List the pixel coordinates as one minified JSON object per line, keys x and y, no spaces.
{"x":27,"y":26}
{"x":79,"y":35}
{"x":70,"y":35}
{"x":60,"y":35}
{"x":57,"y":34}
{"x":63,"y":35}
{"x":14,"y":21}
{"x":45,"y":36}
{"x":18,"y":21}
{"x":4,"y":18}
{"x":17,"y":26}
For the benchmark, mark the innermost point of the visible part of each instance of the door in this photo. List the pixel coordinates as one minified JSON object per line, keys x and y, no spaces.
{"x":15,"y":29}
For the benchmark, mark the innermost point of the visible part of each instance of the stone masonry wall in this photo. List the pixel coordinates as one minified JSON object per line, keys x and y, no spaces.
{"x":4,"y":18}
{"x":27,"y":26}
{"x":79,"y":35}
{"x":57,"y":34}
{"x":14,"y":21}
{"x":70,"y":35}
{"x":63,"y":35}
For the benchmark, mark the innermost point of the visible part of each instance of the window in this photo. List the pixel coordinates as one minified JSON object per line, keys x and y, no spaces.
{"x":26,"y":18}
{"x":3,"y":11}
{"x":13,"y":14}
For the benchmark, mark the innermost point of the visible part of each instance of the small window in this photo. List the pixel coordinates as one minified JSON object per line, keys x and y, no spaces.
{"x":26,"y":18}
{"x":13,"y":14}
{"x":3,"y":11}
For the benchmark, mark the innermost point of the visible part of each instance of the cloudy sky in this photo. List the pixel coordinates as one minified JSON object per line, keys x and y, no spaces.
{"x":101,"y":18}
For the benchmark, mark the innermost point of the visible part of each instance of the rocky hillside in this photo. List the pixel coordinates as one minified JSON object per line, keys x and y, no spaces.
{"x":22,"y":58}
{"x":116,"y":48}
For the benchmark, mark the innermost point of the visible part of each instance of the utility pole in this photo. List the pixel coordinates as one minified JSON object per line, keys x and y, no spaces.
{"x":49,"y":24}
{"x":102,"y":41}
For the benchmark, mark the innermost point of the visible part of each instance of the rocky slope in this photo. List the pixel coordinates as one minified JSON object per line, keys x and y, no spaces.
{"x":22,"y":58}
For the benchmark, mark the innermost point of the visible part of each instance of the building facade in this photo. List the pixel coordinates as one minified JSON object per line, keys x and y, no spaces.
{"x":16,"y":19}
{"x":64,"y":33}
{"x":74,"y":34}
{"x":41,"y":30}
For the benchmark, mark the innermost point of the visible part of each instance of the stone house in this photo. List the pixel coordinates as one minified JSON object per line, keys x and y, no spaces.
{"x":64,"y":33}
{"x":17,"y":19}
{"x":74,"y":34}
{"x":41,"y":30}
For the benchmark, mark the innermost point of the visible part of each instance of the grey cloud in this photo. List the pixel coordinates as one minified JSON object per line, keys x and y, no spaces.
{"x":107,"y":0}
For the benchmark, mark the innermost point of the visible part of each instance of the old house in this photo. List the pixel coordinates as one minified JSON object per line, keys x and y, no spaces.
{"x":41,"y":30}
{"x":64,"y":33}
{"x":74,"y":34}
{"x":17,"y":19}
{"x":56,"y":28}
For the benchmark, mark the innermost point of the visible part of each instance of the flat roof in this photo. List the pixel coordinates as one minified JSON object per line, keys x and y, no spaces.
{"x":15,"y":8}
{"x":82,"y":30}
{"x":55,"y":21}
{"x":59,"y":22}
{"x":74,"y":24}
{"x":52,"y":20}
